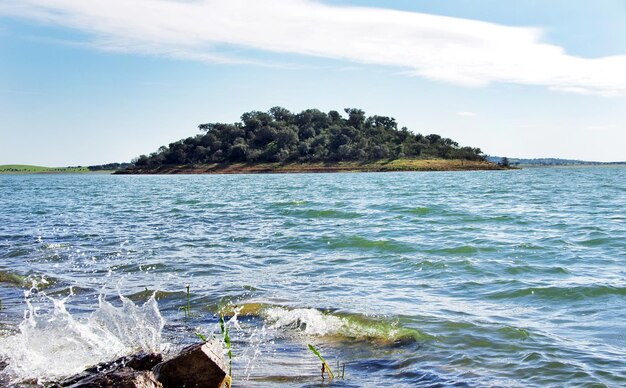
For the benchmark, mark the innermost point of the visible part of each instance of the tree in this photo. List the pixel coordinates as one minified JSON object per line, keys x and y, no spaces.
{"x":311,"y":135}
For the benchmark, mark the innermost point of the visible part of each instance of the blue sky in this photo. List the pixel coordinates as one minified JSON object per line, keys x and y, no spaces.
{"x":87,"y":82}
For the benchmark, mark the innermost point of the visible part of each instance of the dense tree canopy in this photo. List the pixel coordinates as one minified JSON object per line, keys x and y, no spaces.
{"x":309,"y":136}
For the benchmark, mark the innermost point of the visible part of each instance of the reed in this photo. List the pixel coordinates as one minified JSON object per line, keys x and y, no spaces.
{"x":187,"y":308}
{"x":325,"y":366}
{"x":226,"y":337}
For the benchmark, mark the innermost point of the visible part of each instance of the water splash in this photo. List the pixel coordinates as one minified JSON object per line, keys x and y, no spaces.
{"x":52,"y":344}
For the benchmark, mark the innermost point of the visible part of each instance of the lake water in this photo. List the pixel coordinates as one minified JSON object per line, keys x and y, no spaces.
{"x":499,"y":278}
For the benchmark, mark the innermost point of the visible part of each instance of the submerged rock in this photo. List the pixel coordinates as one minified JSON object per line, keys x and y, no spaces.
{"x":199,"y":365}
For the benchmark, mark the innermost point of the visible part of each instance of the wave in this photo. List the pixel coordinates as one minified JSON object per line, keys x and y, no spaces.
{"x":288,"y":204}
{"x":419,"y":211}
{"x":356,"y":242}
{"x":39,"y":282}
{"x":596,"y":242}
{"x":561,"y":293}
{"x":460,"y":250}
{"x":321,"y":213}
{"x":338,"y":326}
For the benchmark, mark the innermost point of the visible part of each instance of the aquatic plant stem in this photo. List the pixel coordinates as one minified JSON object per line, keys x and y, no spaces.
{"x":325,"y":366}
{"x":226,"y":337}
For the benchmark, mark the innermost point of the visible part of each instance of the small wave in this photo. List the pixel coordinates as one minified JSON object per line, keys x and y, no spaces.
{"x":323,"y":213}
{"x":596,"y":242}
{"x":12,"y":278}
{"x":187,"y":202}
{"x":147,"y":293}
{"x":528,"y":246}
{"x":39,"y":282}
{"x":561,"y":293}
{"x":17,"y":252}
{"x":527,"y":269}
{"x":54,"y":246}
{"x":313,"y":322}
{"x":460,"y":250}
{"x":419,"y":211}
{"x":356,"y":242}
{"x":496,"y":219}
{"x":289,"y":204}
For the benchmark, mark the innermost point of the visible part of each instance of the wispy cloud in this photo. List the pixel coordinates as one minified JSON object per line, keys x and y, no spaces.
{"x":466,"y":114}
{"x":454,"y":50}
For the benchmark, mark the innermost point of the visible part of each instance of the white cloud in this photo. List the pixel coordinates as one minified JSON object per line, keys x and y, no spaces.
{"x":466,"y":114}
{"x":454,"y":50}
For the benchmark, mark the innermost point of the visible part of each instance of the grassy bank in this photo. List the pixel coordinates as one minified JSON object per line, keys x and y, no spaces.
{"x":27,"y":169}
{"x":372,"y":166}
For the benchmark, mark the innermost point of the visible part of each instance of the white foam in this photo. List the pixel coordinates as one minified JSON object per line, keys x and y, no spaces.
{"x":312,"y":322}
{"x":53,"y":344}
{"x":309,"y":321}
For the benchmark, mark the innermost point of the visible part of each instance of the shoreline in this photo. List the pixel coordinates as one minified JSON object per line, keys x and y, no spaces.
{"x":280,"y":168}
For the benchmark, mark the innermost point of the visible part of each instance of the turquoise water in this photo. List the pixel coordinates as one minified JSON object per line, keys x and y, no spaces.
{"x":501,"y":278}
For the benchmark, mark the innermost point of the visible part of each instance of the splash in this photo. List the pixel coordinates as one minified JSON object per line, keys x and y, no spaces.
{"x":52,"y":344}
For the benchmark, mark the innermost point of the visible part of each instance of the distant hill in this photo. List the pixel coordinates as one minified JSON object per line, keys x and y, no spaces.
{"x":25,"y":169}
{"x":549,"y":162}
{"x":29,"y":169}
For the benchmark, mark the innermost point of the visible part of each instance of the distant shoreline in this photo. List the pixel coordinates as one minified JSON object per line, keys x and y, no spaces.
{"x":278,"y":168}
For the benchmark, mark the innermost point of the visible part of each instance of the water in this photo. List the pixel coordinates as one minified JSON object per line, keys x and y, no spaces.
{"x":500,"y":278}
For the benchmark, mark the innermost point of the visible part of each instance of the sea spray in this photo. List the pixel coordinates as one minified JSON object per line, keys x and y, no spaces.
{"x":52,"y":344}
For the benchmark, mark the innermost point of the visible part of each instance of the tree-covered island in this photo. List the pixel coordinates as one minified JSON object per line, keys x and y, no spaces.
{"x":282,"y":141}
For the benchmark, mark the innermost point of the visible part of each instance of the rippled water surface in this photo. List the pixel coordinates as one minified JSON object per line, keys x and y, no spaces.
{"x":501,"y":278}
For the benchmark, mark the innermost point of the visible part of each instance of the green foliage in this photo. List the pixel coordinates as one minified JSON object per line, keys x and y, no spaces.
{"x":325,"y":366}
{"x":108,"y":167}
{"x":187,"y":308}
{"x":306,"y":137}
{"x":226,"y":337}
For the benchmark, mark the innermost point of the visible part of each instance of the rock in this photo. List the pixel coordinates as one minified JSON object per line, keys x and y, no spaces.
{"x":144,"y":361}
{"x":4,"y":378}
{"x":199,"y":365}
{"x":123,"y":377}
{"x":125,"y":372}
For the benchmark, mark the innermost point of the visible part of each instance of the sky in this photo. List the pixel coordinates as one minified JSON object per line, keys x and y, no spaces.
{"x":86,"y":82}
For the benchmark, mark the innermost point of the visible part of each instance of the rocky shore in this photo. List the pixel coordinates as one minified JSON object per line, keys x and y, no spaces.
{"x":277,"y":168}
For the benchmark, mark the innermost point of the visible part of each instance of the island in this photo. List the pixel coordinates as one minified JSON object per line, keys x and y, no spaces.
{"x":279,"y":141}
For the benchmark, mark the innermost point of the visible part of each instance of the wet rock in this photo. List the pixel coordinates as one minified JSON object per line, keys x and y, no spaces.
{"x":125,"y":372}
{"x":144,"y":361}
{"x":200,"y":365}
{"x":4,"y":378}
{"x":123,"y":377}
